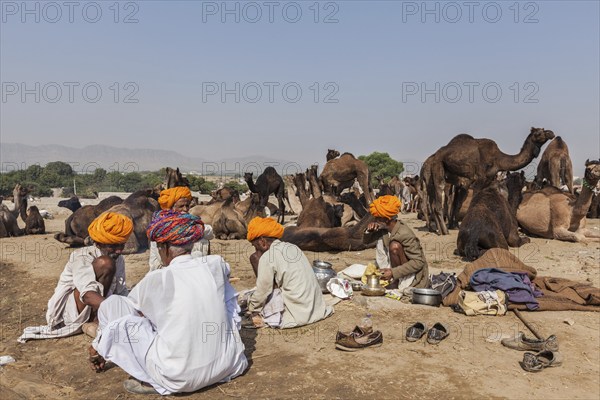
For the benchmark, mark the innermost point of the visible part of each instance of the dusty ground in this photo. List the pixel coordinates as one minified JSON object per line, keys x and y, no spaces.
{"x":302,"y":363}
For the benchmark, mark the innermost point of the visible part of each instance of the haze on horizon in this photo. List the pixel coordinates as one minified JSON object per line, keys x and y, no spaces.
{"x":292,"y":81}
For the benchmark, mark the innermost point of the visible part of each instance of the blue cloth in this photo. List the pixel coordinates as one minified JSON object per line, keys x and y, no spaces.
{"x":517,"y":286}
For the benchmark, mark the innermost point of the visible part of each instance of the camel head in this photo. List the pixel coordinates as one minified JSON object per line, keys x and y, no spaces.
{"x":248,"y":176}
{"x":173,"y":178}
{"x":592,"y":172}
{"x":331,"y":154}
{"x":72,"y":204}
{"x":539,"y":136}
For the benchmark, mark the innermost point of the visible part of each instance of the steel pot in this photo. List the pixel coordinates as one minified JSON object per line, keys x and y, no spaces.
{"x":324,"y":273}
{"x":428,"y":297}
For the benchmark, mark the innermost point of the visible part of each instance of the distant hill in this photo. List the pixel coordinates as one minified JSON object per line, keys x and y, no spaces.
{"x":19,"y":156}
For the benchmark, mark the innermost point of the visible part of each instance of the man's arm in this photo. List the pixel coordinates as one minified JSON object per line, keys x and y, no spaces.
{"x":414,"y":253}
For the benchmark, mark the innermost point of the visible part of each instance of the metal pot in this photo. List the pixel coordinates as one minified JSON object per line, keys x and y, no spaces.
{"x":428,"y":297}
{"x":324,"y":273}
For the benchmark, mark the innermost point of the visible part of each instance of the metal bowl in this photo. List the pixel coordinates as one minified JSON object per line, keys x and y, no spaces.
{"x":322,"y":264}
{"x":357,"y":286}
{"x":367,"y":291}
{"x":428,"y":297}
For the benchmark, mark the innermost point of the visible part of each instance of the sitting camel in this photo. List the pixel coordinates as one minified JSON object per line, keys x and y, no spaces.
{"x":316,"y":212}
{"x":555,"y":166}
{"x":226,"y":220}
{"x":490,"y":221}
{"x":76,"y":225}
{"x":329,"y":239}
{"x":72,"y":204}
{"x":34,"y":224}
{"x":553,"y":214}
{"x":269,"y":182}
{"x":339,"y":174}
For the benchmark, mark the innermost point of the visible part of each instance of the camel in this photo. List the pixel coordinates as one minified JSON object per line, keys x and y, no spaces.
{"x":8,"y":224}
{"x":269,"y":182}
{"x":490,"y":221}
{"x":396,"y":185}
{"x":173,"y":178}
{"x":77,"y":223}
{"x":340,"y":173}
{"x":313,"y":181}
{"x":466,"y":160}
{"x":329,"y":239}
{"x":331,"y":154}
{"x":223,"y":194}
{"x":555,"y":166}
{"x":227,"y":221}
{"x":553,"y":214}
{"x":354,"y":202}
{"x":72,"y":204}
{"x":594,"y":211}
{"x":34,"y":224}
{"x":384,"y":188}
{"x":19,"y":203}
{"x":316,"y":212}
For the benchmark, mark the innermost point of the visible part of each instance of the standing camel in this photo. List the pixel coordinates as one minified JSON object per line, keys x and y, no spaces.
{"x":340,"y":173}
{"x":466,"y":160}
{"x":269,"y":182}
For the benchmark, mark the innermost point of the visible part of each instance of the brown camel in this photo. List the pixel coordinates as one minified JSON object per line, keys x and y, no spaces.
{"x":269,"y":182}
{"x":340,"y":173}
{"x":553,"y":214}
{"x":331,"y":154}
{"x":555,"y":166}
{"x":173,"y":178}
{"x":77,"y":223}
{"x":34,"y":224}
{"x":466,"y":160}
{"x":223,"y":194}
{"x":316,"y":212}
{"x":384,"y":188}
{"x":19,"y":202}
{"x":594,"y":211}
{"x":329,"y":239}
{"x":397,"y":185}
{"x":226,"y":220}
{"x":313,"y":181}
{"x":72,"y":204}
{"x":8,"y":224}
{"x":490,"y":222}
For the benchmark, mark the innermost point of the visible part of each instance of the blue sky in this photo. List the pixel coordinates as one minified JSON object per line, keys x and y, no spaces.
{"x":375,"y":61}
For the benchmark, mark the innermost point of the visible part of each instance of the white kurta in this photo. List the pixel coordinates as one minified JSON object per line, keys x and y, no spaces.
{"x":187,"y":338}
{"x":200,"y":249}
{"x":303,"y":300}
{"x":62,"y":316}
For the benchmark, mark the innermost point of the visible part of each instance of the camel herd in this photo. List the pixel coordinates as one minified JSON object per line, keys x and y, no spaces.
{"x":467,"y":184}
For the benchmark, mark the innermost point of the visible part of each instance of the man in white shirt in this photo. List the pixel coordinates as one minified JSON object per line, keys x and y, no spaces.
{"x":177,"y":331}
{"x":92,"y":274}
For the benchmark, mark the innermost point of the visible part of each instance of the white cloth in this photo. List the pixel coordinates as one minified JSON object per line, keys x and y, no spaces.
{"x":187,"y":338}
{"x":287,"y":266}
{"x":62,"y":316}
{"x":201,"y":248}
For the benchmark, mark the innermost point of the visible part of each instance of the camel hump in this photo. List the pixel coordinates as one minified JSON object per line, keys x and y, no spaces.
{"x":560,"y":143}
{"x":269,"y":170}
{"x":348,"y":154}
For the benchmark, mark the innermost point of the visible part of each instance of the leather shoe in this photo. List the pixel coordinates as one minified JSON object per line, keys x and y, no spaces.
{"x":522,"y":343}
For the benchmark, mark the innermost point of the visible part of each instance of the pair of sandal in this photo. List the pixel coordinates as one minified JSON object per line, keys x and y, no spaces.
{"x":358,"y":338}
{"x":535,"y":362}
{"x":435,"y":335}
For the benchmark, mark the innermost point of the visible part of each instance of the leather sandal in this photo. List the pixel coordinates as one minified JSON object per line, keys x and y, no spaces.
{"x":353,"y":343}
{"x":544,"y":359}
{"x":416,"y":332}
{"x":137,"y":387}
{"x":357,"y":332}
{"x":523,"y":343}
{"x":437,"y":333}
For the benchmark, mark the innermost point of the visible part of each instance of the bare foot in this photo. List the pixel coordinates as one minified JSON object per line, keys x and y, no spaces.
{"x":97,"y":362}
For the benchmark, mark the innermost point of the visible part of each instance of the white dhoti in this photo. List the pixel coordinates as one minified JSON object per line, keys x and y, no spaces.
{"x":124,"y":338}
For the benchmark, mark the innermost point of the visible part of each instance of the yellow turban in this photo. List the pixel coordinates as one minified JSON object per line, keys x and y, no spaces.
{"x":169,"y":197}
{"x":385,"y":207}
{"x":267,"y":227}
{"x":110,"y":228}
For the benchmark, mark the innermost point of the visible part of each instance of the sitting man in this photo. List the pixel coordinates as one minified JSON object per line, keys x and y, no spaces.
{"x":400,"y":256}
{"x":92,"y":274}
{"x":297,"y":300}
{"x":179,"y":199}
{"x":175,"y":332}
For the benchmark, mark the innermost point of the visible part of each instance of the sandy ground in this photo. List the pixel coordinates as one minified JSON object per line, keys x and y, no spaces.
{"x":302,"y":363}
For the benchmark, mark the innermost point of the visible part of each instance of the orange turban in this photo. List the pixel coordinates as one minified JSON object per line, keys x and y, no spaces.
{"x":264,"y":227}
{"x":110,"y":228}
{"x":385,"y":207}
{"x":169,"y":197}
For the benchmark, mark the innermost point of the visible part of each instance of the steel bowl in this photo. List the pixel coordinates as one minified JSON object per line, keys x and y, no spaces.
{"x":357,"y":286}
{"x":322,"y":264}
{"x":428,"y":297}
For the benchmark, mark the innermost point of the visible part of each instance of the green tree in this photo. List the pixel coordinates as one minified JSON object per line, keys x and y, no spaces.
{"x":57,"y":174}
{"x":381,"y":164}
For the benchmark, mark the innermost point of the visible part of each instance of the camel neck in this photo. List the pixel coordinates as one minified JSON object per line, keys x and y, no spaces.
{"x":529,"y":151}
{"x":582,"y":205}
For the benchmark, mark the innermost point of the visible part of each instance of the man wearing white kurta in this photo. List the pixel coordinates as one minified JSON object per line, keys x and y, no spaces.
{"x":285,"y":265}
{"x":91,"y":274}
{"x":177,"y":331}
